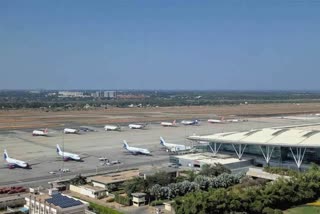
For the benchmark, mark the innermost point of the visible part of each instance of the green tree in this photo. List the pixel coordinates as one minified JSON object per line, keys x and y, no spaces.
{"x":137,"y":184}
{"x":213,"y":170}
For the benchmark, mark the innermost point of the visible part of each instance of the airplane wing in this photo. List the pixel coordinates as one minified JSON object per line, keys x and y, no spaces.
{"x":34,"y":161}
{"x":130,"y":152}
{"x":84,"y":155}
{"x":33,"y":164}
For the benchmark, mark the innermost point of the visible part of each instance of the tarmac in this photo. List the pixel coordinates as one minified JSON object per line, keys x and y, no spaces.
{"x":40,"y":151}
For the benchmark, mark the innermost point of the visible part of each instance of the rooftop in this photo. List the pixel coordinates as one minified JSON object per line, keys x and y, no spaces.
{"x":115,"y":177}
{"x":95,"y":188}
{"x":208,"y":158}
{"x":57,"y":200}
{"x":290,"y":137}
{"x":138,"y":194}
{"x":63,"y":201}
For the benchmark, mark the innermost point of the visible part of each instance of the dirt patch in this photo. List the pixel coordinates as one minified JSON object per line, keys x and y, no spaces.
{"x":25,"y":119}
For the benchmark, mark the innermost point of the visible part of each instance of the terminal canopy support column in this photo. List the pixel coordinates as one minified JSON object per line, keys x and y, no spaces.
{"x":240,"y":150}
{"x":267,"y":155}
{"x":215,"y":149}
{"x":298,"y":157}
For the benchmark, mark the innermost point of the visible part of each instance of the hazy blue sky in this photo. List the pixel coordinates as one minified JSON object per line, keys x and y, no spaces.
{"x":160,"y":44}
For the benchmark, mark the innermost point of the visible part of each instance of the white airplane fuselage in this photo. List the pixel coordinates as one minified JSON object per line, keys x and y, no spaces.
{"x":67,"y":155}
{"x":215,"y":121}
{"x":189,"y":122}
{"x":13,"y":163}
{"x":168,"y":124}
{"x":136,"y":126}
{"x":70,"y":131}
{"x":175,"y":147}
{"x":136,"y":150}
{"x":111,"y":128}
{"x":40,"y":132}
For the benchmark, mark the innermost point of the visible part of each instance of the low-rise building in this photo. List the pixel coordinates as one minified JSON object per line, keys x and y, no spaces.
{"x":12,"y":201}
{"x":113,"y":178}
{"x":90,"y":191}
{"x":70,"y":94}
{"x":199,"y":159}
{"x":138,"y":199}
{"x":54,"y":204}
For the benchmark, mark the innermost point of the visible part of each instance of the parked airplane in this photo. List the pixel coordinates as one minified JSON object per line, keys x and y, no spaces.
{"x":233,"y":121}
{"x":41,"y":132}
{"x":112,"y":128}
{"x":169,"y":124}
{"x":137,"y":126}
{"x":135,"y":150}
{"x":222,"y":120}
{"x":66,"y":155}
{"x":216,"y":120}
{"x":237,"y":120}
{"x":190,"y":122}
{"x":70,"y":131}
{"x":13,"y":163}
{"x":173,"y":147}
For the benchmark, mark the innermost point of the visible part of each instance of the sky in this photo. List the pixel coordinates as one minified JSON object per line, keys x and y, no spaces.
{"x":169,"y":45}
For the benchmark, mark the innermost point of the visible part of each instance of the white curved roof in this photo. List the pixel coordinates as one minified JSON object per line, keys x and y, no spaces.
{"x":269,"y":136}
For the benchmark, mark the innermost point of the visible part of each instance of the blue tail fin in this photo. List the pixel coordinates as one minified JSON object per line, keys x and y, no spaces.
{"x":58,"y":148}
{"x":125,"y":144}
{"x":162,"y":142}
{"x":5,"y":154}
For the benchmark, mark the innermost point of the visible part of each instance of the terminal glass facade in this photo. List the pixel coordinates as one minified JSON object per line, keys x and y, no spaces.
{"x":280,"y":154}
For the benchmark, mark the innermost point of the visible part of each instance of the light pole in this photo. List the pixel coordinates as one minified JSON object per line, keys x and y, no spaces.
{"x":62,"y":153}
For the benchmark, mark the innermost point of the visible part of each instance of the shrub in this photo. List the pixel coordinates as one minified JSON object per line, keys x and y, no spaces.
{"x":281,"y":171}
{"x":96,"y":208}
{"x":109,"y":200}
{"x":124,"y":200}
{"x":156,"y":203}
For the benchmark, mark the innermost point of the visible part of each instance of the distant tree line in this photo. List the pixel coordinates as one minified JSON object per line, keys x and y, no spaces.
{"x":25,"y":99}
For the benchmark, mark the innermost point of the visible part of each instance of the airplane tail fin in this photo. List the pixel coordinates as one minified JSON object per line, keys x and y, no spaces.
{"x":58,"y":148}
{"x":222,"y":118}
{"x":174,"y":122}
{"x":125,"y":144}
{"x":162,"y":142}
{"x":46,"y":131}
{"x":197,"y":121}
{"x":5,"y":154}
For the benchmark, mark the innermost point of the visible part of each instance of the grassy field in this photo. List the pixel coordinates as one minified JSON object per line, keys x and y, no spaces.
{"x":311,"y":208}
{"x":31,"y":118}
{"x":303,"y":209}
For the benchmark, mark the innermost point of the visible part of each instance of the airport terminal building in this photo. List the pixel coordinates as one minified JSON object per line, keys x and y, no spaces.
{"x":275,"y":146}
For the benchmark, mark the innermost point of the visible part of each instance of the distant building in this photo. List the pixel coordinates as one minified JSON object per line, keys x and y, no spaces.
{"x":54,"y":204}
{"x":104,"y":94}
{"x":131,"y":96}
{"x":35,"y":92}
{"x":70,"y":94}
{"x":51,"y":94}
{"x":110,"y":94}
